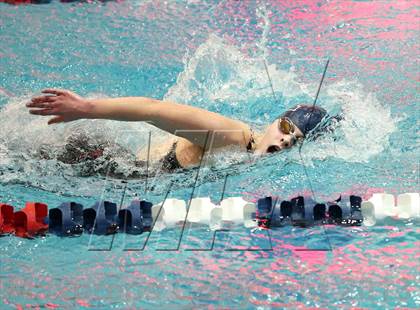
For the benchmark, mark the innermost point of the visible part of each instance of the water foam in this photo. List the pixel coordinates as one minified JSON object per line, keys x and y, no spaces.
{"x":29,"y":148}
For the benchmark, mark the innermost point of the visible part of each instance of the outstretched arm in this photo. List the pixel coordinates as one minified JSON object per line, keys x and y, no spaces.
{"x":182,"y":120}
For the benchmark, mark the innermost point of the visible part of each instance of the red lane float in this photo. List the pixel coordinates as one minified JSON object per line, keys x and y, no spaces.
{"x":30,"y":221}
{"x":6,"y":219}
{"x":16,"y":2}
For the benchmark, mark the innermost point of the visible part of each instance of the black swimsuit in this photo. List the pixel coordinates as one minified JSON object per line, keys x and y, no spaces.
{"x":250,"y":145}
{"x":169,"y":161}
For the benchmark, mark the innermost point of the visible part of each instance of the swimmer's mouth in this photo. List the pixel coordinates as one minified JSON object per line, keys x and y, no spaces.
{"x":273,"y":149}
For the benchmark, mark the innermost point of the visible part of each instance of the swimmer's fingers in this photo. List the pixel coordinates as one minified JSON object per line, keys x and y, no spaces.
{"x":55,"y":91}
{"x":40,"y":102}
{"x":43,"y":112}
{"x":40,"y":105}
{"x":56,"y":120}
{"x":44,"y":99}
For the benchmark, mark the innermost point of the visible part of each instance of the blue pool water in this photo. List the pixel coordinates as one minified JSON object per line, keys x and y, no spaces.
{"x":210,"y":54}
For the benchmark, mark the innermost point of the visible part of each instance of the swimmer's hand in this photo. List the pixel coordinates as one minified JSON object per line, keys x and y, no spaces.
{"x":65,"y":105}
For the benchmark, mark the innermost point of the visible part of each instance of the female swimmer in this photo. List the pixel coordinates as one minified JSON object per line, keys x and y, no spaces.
{"x":194,"y":131}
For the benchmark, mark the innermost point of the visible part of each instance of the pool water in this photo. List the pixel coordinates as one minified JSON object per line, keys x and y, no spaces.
{"x":211,"y":54}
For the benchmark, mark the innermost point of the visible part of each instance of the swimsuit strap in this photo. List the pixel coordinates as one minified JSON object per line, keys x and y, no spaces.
{"x":169,"y":161}
{"x":250,"y":145}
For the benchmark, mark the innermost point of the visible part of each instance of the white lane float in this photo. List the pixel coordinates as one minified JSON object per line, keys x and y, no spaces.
{"x":169,"y":213}
{"x":381,"y":207}
{"x":200,"y":210}
{"x":237,"y":211}
{"x":408,"y":205}
{"x":232,"y":211}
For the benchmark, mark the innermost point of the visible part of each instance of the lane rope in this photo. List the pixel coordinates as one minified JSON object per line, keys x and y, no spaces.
{"x":104,"y":217}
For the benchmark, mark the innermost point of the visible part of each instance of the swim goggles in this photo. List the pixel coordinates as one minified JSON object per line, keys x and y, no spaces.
{"x":286,"y":126}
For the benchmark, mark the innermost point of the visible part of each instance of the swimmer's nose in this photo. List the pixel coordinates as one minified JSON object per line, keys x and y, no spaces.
{"x":286,"y":142}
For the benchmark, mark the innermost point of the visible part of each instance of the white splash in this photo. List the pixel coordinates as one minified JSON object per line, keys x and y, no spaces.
{"x":365,"y":130}
{"x":218,"y":75}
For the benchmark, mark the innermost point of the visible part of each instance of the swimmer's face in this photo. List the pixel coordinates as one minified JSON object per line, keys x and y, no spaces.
{"x":279,"y":136}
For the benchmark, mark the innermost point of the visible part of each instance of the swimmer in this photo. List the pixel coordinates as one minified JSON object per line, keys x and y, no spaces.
{"x":191,"y":128}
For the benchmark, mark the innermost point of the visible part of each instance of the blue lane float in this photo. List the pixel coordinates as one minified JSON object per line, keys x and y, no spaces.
{"x":101,"y":218}
{"x":66,"y":219}
{"x":130,"y":219}
{"x":298,"y":211}
{"x":319,"y":212}
{"x":265,"y":210}
{"x":146,"y":211}
{"x":136,"y":217}
{"x":346,"y":211}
